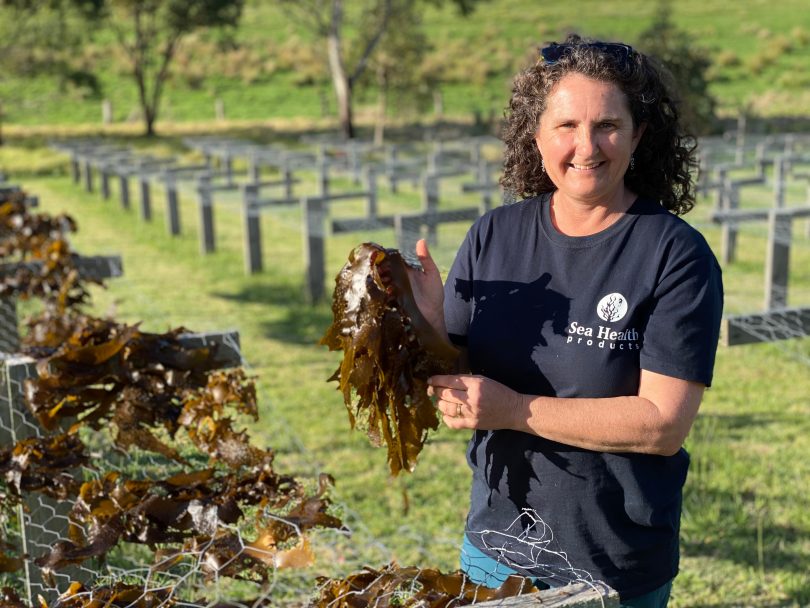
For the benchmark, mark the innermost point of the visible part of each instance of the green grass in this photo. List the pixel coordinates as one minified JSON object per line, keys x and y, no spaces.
{"x":760,"y":51}
{"x":746,"y":526}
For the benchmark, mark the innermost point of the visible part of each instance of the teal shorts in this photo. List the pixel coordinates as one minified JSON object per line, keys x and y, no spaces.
{"x":481,"y":569}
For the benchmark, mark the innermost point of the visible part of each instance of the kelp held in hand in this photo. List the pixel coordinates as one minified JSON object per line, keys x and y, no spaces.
{"x":389,"y":352}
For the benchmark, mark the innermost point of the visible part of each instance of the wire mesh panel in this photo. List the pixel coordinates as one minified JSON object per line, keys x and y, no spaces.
{"x":92,"y":268}
{"x":9,"y":330}
{"x":39,"y":524}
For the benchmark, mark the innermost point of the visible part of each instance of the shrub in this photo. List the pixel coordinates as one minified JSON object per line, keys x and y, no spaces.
{"x":727,"y":59}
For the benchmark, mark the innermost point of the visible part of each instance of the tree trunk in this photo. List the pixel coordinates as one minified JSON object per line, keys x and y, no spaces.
{"x":146,"y":108}
{"x":343,"y":92}
{"x":382,"y":104}
{"x":149,"y":119}
{"x":340,"y":79}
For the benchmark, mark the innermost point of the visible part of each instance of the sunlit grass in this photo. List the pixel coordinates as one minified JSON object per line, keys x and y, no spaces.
{"x":746,"y":528}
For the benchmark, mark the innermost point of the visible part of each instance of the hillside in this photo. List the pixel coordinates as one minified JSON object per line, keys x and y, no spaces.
{"x":267,"y":69}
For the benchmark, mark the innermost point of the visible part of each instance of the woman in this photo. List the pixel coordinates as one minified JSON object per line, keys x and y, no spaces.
{"x":589,"y":316}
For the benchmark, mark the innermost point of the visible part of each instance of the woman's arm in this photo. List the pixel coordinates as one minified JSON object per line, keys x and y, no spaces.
{"x":656,"y":421}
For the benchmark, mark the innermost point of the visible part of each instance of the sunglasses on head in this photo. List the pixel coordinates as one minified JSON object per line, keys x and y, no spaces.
{"x":554,"y":52}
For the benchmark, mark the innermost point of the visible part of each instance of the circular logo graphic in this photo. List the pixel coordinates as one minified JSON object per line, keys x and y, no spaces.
{"x":612,"y":307}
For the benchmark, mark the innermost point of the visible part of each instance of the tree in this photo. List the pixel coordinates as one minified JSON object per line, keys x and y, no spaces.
{"x":43,"y":37}
{"x":688,"y":65}
{"x":150,"y":31}
{"x":395,"y":70}
{"x":326,"y":19}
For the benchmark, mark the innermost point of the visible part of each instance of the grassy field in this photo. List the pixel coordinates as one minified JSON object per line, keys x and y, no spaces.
{"x":759,"y":51}
{"x":746,"y":525}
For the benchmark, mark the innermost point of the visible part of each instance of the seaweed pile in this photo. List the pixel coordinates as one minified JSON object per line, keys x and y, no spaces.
{"x":389,"y":352}
{"x":412,"y":588}
{"x":112,"y":376}
{"x":235,"y":517}
{"x":37,"y":261}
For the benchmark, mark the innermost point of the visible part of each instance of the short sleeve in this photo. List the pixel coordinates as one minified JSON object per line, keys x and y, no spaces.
{"x":683,"y":328}
{"x":458,"y":292}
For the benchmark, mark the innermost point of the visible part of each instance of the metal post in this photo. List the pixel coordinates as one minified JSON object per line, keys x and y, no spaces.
{"x":371,"y":205}
{"x":105,"y":181}
{"x":123,"y":181}
{"x":739,"y":154}
{"x":776,"y":263}
{"x":354,"y":160}
{"x":728,"y":246}
{"x":207,"y":240}
{"x":228,"y":162}
{"x":254,"y":169}
{"x":288,"y":177}
{"x":253,"y":235}
{"x":779,"y":181}
{"x":433,"y":160}
{"x":146,"y":203}
{"x":483,"y":180}
{"x":407,"y":229}
{"x":430,"y":204}
{"x":172,"y":207}
{"x":391,"y":167}
{"x":475,"y":153}
{"x":75,"y":167}
{"x":720,"y":193}
{"x":314,"y":210}
{"x":323,"y":172}
{"x":88,"y":175}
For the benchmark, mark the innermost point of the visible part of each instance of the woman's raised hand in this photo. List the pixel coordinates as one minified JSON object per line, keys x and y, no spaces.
{"x":427,"y":288}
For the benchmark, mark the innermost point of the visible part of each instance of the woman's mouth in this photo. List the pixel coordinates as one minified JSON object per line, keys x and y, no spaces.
{"x":587,"y":166}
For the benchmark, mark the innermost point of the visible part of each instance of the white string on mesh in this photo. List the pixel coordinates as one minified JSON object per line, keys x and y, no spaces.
{"x":528,"y":544}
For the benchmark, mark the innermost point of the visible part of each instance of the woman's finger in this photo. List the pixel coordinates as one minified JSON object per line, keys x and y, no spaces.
{"x":423,"y":253}
{"x":447,"y":381}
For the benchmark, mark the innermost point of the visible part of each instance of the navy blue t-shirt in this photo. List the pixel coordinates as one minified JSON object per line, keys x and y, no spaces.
{"x":554,"y":315}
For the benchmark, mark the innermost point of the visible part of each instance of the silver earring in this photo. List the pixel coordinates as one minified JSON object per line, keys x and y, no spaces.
{"x":542,"y":166}
{"x":632,"y":162}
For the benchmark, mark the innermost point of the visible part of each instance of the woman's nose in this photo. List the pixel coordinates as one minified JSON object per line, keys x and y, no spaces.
{"x":586,"y":143}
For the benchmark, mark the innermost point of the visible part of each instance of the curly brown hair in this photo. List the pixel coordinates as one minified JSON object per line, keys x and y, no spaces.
{"x":665,"y":156}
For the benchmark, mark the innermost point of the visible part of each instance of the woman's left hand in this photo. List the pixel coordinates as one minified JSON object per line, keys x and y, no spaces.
{"x":476,"y":402}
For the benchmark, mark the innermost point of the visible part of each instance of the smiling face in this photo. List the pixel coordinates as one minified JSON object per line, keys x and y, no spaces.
{"x":586,"y":136}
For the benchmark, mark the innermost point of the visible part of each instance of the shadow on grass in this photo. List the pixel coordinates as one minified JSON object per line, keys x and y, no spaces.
{"x":733,"y":427}
{"x":300,"y":326}
{"x":744,"y":532}
{"x":302,"y":323}
{"x":265,"y":293}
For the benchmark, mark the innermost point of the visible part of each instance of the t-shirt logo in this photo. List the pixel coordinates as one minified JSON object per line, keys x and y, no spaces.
{"x":612,"y":307}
